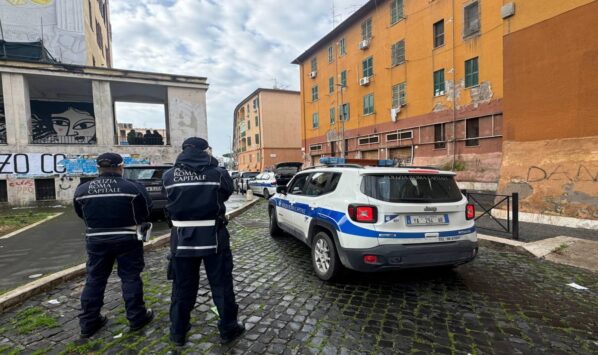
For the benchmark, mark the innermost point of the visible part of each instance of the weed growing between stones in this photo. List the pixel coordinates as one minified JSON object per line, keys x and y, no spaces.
{"x":31,"y":319}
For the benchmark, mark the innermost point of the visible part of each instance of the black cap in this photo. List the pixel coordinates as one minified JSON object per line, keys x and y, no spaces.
{"x":109,"y":160}
{"x":196,"y":142}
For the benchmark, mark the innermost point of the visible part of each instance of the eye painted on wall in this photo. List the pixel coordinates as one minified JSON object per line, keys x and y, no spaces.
{"x":84,"y":124}
{"x":61,"y":122}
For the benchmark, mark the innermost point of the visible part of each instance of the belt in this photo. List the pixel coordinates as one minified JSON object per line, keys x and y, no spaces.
{"x":204,"y":223}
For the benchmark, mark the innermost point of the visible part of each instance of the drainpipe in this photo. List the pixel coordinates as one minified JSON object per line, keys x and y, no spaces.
{"x":454,"y":88}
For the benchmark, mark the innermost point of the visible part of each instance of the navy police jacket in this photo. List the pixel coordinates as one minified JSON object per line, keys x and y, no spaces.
{"x":112,"y":207}
{"x":196,"y":189}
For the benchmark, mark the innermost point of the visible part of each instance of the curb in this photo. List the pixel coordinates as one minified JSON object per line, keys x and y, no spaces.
{"x":503,"y":244}
{"x":12,"y":234}
{"x":22,"y":293}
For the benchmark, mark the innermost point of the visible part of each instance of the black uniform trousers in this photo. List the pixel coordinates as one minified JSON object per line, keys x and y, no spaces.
{"x":100,"y":260}
{"x":219,"y":269}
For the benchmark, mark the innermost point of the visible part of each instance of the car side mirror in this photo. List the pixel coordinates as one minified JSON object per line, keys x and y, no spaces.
{"x":281,"y":190}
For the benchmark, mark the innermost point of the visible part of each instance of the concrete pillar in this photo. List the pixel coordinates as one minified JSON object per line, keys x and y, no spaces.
{"x":104,"y":113}
{"x":187,"y":116}
{"x":17,"y":110}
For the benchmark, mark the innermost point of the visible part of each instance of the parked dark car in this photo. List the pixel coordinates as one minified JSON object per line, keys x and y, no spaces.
{"x":284,"y":172}
{"x":150,"y":176}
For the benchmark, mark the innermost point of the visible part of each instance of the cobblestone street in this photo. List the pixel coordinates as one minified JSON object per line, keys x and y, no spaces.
{"x":502,"y":303}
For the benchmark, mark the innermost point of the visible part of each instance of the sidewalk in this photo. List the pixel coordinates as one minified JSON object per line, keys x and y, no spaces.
{"x":53,"y":246}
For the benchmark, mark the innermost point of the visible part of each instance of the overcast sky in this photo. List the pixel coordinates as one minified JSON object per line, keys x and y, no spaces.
{"x":239,"y":45}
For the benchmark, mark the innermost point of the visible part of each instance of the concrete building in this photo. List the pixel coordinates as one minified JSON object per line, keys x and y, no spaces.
{"x":54,"y":120}
{"x":267,"y":129}
{"x":73,"y":31}
{"x":550,"y":150}
{"x":418,"y":81}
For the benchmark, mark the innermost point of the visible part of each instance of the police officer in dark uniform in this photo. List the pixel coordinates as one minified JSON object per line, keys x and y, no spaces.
{"x":112,"y":208}
{"x":197,"y":189}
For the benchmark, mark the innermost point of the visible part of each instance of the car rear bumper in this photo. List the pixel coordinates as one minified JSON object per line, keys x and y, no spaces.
{"x":158,"y":205}
{"x":404,"y":256}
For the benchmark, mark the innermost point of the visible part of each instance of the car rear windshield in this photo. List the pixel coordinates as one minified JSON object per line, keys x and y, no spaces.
{"x":249,"y":175}
{"x":144,"y":173}
{"x":411,"y":188}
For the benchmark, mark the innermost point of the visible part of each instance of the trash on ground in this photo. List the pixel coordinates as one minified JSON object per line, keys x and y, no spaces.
{"x":576,"y":286}
{"x":35,"y":276}
{"x":54,"y":301}
{"x":119,"y":335}
{"x":215,"y":310}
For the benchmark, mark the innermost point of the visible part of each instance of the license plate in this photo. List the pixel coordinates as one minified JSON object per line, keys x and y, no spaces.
{"x":426,"y":220}
{"x":154,"y":188}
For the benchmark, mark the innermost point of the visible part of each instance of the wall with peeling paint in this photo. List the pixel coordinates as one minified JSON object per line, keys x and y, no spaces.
{"x":550,"y":152}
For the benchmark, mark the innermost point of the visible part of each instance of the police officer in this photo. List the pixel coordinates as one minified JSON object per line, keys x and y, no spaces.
{"x":112,"y":208}
{"x":197,"y":188}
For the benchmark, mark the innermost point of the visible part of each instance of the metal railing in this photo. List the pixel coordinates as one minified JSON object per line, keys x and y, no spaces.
{"x":54,"y":139}
{"x":487,"y":202}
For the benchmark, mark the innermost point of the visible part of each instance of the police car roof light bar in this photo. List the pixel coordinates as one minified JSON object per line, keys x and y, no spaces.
{"x":362,"y":162}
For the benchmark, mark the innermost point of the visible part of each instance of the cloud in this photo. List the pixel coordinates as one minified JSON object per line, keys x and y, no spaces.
{"x":239,"y":45}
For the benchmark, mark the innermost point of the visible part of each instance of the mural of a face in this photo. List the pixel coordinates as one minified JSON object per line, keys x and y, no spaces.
{"x":74,"y":123}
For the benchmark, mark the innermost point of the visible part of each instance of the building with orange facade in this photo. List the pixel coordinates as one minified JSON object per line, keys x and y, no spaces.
{"x":267,"y":129}
{"x":550,"y":148}
{"x":418,"y":81}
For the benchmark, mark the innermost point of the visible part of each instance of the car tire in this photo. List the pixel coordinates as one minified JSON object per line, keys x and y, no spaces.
{"x":324,"y":257}
{"x":275,"y":230}
{"x":266,"y":194}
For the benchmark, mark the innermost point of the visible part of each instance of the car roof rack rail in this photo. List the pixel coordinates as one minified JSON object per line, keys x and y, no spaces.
{"x":355,"y":166}
{"x":418,"y":167}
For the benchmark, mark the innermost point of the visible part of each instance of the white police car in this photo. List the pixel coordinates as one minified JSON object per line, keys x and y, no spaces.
{"x":376,"y":218}
{"x":264,"y":184}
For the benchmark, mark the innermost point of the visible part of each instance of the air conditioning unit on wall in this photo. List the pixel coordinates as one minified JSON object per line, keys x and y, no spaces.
{"x":365,"y":44}
{"x":313,"y":74}
{"x":364,"y":81}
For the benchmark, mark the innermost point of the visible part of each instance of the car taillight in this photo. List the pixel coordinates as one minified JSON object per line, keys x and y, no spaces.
{"x":363,"y":214}
{"x":370,"y":259}
{"x":469,"y":211}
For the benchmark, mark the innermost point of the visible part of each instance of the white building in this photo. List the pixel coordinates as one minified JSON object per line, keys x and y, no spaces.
{"x":54,"y":121}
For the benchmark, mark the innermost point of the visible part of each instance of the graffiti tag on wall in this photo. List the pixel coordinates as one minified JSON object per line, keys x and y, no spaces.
{"x":39,"y":164}
{"x":22,"y":186}
{"x":62,"y":122}
{"x":580,"y":173}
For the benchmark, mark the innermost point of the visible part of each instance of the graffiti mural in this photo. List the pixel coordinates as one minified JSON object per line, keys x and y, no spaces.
{"x":62,"y":122}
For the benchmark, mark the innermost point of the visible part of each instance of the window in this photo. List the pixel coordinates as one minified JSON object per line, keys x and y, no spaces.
{"x":315,"y":147}
{"x":257,"y":139}
{"x":439,"y":140}
{"x":314,"y":64}
{"x":344,"y":112}
{"x":319,"y":184}
{"x":368,"y":67}
{"x":471,"y":25}
{"x":396,"y":11}
{"x":439,"y":34}
{"x":391,"y":137}
{"x":248,"y":125}
{"x":368,"y":140}
{"x":99,"y":38}
{"x":397,"y":52}
{"x":251,"y":159}
{"x":439,"y":82}
{"x":411,"y":188}
{"x":368,"y":104}
{"x":471,"y":72}
{"x":341,"y":47}
{"x":314,"y":93}
{"x":257,"y":121}
{"x":332,"y":115}
{"x":315,"y":120}
{"x":366,"y":29}
{"x":296,"y":185}
{"x":472,"y":132}
{"x":399,"y":95}
{"x":330,"y":54}
{"x":331,"y":85}
{"x":344,"y":79}
{"x":45,"y":189}
{"x":256,"y":103}
{"x":3,"y":191}
{"x":149,"y":122}
{"x":248,"y":141}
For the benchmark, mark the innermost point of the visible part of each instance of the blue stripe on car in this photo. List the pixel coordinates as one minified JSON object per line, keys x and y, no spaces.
{"x":343,"y":224}
{"x":262,"y":184}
